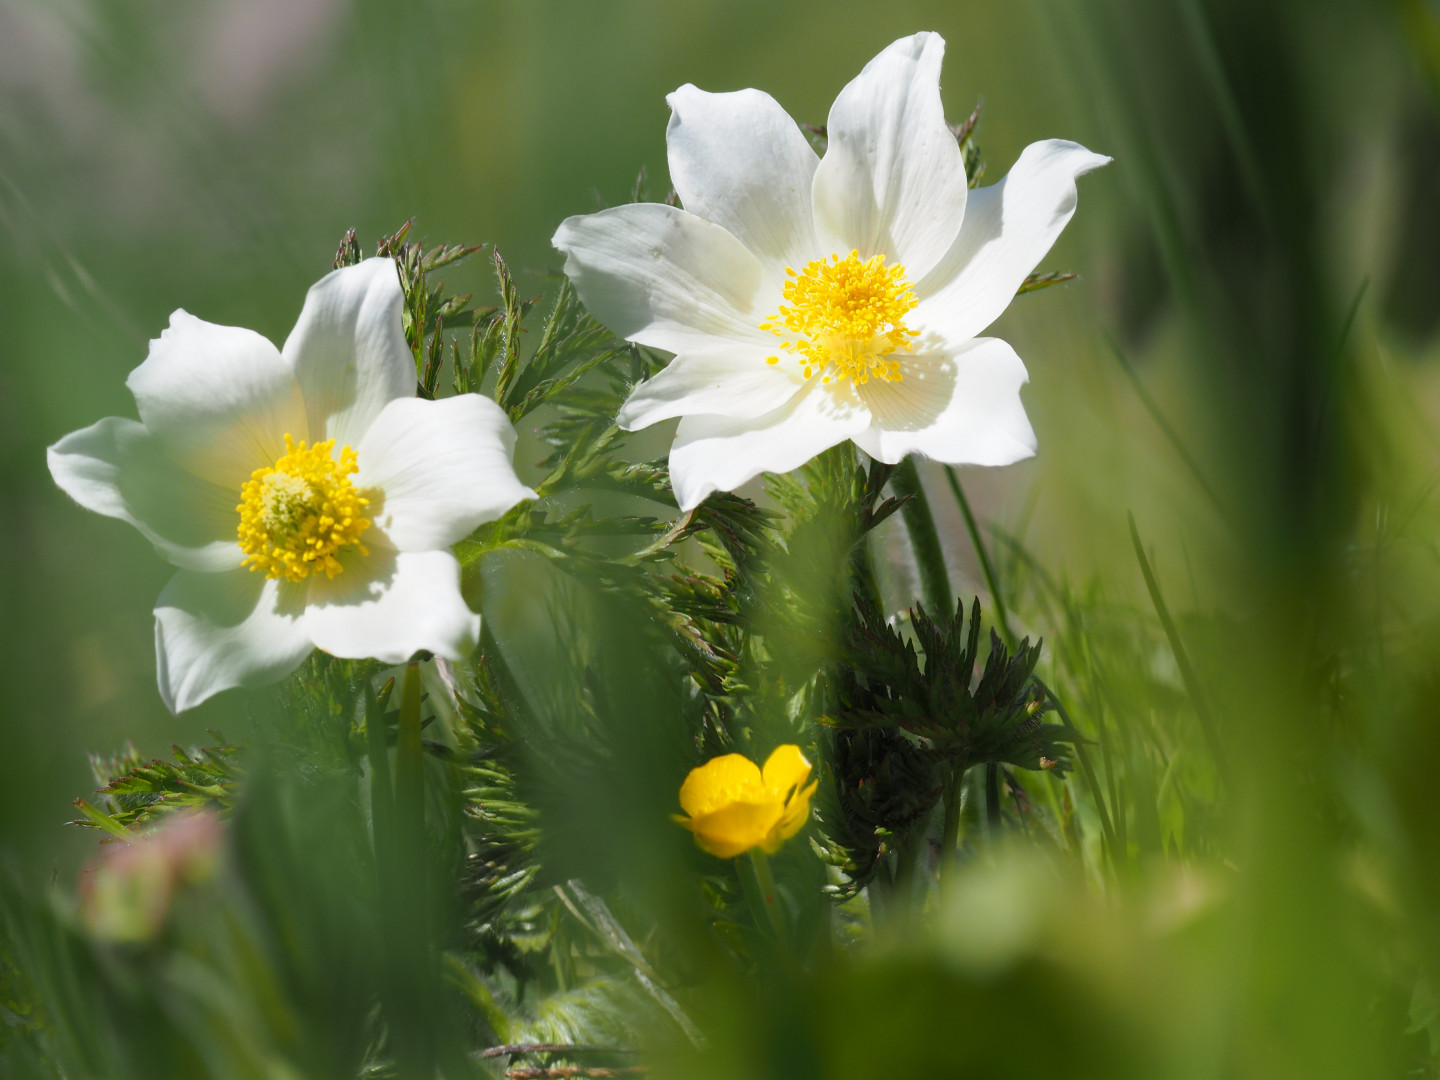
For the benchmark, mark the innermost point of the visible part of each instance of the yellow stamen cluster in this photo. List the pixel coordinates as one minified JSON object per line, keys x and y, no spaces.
{"x":298,"y":514}
{"x":844,"y":317}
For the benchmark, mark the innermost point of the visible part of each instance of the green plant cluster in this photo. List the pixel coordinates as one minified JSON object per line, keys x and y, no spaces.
{"x":476,"y":807}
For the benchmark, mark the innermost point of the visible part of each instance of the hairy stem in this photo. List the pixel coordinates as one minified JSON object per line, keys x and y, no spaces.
{"x":770,"y":901}
{"x":410,"y":1016}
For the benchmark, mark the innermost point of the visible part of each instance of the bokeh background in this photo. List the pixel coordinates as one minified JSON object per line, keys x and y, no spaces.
{"x":1275,"y":173}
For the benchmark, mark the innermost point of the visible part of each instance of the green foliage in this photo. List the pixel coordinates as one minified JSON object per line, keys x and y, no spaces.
{"x":136,"y":794}
{"x":20,"y":1010}
{"x":995,"y":719}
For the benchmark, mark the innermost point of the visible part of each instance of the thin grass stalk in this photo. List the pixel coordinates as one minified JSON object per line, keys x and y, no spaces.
{"x":986,"y":567}
{"x":1167,"y":429}
{"x":1087,"y":767}
{"x":1182,"y":658}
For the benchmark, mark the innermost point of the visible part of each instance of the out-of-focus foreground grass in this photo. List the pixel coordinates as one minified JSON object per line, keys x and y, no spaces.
{"x":1249,"y":364}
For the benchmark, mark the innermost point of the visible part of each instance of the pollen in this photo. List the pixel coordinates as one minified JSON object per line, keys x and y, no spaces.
{"x":298,"y":515}
{"x":845,"y":317}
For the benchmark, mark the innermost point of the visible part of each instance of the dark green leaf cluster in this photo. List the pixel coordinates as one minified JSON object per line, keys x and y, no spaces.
{"x":940,"y":703}
{"x":908,"y":713}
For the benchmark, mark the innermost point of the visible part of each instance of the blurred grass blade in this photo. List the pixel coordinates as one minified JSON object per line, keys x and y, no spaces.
{"x":1169,"y":431}
{"x":1177,"y":647}
{"x":983,"y":555}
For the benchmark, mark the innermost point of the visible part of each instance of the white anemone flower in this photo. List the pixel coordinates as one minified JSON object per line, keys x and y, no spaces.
{"x":307,"y":496}
{"x":808,"y":300}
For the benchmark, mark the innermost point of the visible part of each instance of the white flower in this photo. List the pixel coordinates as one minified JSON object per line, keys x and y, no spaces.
{"x":811,"y":301}
{"x":307,"y":496}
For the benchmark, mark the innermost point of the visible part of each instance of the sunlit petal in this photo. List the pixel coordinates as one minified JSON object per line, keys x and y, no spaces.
{"x":219,"y":399}
{"x":437,"y":469}
{"x":117,"y":468}
{"x":348,"y":350}
{"x":1008,"y":229}
{"x":217,"y":631}
{"x":892,"y":181}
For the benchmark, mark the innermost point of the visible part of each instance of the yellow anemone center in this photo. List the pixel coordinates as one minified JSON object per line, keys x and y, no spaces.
{"x":298,"y":514}
{"x":845,"y":317}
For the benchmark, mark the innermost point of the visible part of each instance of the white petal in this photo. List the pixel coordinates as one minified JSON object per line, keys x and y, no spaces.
{"x":348,"y":350}
{"x":739,"y":161}
{"x":1008,"y":228}
{"x":117,"y":468}
{"x":389,"y":605}
{"x":713,"y":453}
{"x":661,"y":276}
{"x":219,"y":398}
{"x":215,"y":631}
{"x":737,"y":383}
{"x":439,"y":469}
{"x":893,"y":179}
{"x":963,"y":409}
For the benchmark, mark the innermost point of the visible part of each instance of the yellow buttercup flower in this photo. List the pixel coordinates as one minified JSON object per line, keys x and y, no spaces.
{"x":732,"y":806}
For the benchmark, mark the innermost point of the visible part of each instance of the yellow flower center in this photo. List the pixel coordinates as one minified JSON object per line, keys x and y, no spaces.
{"x":298,"y":514}
{"x":844,"y":317}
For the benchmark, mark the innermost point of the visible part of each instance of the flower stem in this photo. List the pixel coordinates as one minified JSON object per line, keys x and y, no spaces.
{"x":924,"y":539}
{"x":409,"y":763}
{"x":382,"y":805}
{"x":992,"y":799}
{"x":769,"y":900}
{"x":410,"y":1013}
{"x":908,"y":894}
{"x":950,"y":836}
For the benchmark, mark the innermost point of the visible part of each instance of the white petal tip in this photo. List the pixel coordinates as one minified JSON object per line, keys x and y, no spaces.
{"x":625,"y":418}
{"x":674,"y":98}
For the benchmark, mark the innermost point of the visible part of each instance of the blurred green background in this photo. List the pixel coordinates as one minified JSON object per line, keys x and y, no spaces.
{"x":1275,"y":170}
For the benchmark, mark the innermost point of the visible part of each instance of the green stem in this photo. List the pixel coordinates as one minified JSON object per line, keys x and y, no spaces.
{"x":992,"y":799}
{"x":770,"y":900}
{"x":907,"y":865}
{"x":950,"y":836}
{"x":382,"y":808}
{"x":411,"y":1020}
{"x":924,"y":539}
{"x":986,"y":567}
{"x":409,"y":759}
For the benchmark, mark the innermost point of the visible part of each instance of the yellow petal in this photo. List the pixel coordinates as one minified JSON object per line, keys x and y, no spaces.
{"x":797,"y":812}
{"x":785,"y":770}
{"x":736,"y":828}
{"x":720,"y":781}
